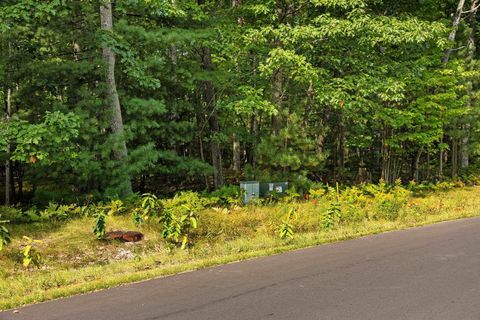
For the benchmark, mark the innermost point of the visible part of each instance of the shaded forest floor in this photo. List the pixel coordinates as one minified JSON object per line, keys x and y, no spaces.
{"x":73,"y":261}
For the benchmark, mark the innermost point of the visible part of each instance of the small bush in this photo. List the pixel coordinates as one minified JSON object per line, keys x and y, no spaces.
{"x":16,"y":215}
{"x":58,"y":212}
{"x":285,"y":231}
{"x":100,"y":226}
{"x":389,"y":204}
{"x":332,"y":216}
{"x":30,"y":253}
{"x":226,"y":196}
{"x":180,"y":215}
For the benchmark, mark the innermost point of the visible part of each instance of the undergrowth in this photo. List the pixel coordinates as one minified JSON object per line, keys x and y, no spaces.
{"x":192,"y":230}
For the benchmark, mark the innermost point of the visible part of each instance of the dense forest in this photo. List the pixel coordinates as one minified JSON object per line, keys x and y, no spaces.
{"x":105,"y":98}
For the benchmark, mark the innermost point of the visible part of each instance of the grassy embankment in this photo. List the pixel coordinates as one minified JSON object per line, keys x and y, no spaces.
{"x":73,"y":261}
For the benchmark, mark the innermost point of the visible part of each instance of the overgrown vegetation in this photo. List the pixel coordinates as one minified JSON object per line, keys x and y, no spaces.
{"x":191,"y":230}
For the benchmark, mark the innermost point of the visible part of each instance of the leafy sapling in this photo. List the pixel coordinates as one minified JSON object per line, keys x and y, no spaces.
{"x":333,"y":214}
{"x":100,"y":225}
{"x":286,"y":230}
{"x":30,"y":253}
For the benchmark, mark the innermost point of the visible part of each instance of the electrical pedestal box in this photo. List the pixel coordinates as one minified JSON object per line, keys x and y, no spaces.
{"x":255,"y":189}
{"x":251,"y":190}
{"x":269,"y":188}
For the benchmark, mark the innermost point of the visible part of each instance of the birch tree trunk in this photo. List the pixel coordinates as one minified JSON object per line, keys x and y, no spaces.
{"x":471,"y":48}
{"x":451,"y":38}
{"x":116,"y":122}
{"x":453,"y":34}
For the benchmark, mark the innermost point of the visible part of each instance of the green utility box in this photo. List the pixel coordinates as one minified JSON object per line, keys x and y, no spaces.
{"x":251,"y":190}
{"x":269,"y":188}
{"x":254,"y":189}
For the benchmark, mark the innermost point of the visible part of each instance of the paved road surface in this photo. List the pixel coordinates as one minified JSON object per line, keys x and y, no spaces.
{"x":431,"y":272}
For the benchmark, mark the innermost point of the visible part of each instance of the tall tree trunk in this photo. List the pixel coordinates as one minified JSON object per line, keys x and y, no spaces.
{"x":277,"y":98}
{"x":441,"y":161}
{"x":8,"y":162}
{"x":210,"y":102}
{"x":341,"y":146}
{"x":214,"y":127}
{"x":252,"y":144}
{"x":120,"y":151}
{"x":278,"y":75}
{"x":453,"y":34}
{"x":20,"y":175}
{"x":416,"y":174}
{"x":471,"y":48}
{"x":251,"y":159}
{"x":454,"y":157}
{"x":236,"y":4}
{"x":457,"y":17}
{"x":428,"y":165}
{"x":199,"y":115}
{"x":464,"y":153}
{"x":237,"y":154}
{"x":236,"y":148}
{"x":387,"y":156}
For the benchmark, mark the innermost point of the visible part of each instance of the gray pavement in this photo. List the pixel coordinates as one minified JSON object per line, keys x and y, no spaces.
{"x":431,"y":272}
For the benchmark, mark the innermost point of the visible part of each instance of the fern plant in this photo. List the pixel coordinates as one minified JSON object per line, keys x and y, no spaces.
{"x":58,"y":212}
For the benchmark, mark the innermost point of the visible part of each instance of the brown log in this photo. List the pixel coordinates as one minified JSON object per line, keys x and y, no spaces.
{"x":127,"y":236}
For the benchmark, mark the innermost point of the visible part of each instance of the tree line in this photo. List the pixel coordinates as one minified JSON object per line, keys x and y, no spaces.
{"x":104,"y":98}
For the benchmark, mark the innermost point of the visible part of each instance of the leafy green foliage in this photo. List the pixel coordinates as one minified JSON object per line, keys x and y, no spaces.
{"x":390,"y":203}
{"x":48,"y":141}
{"x":286,"y":229}
{"x":149,"y":204}
{"x":331,"y":216}
{"x":115,"y":207}
{"x":30,"y":253}
{"x":100,"y":225}
{"x":58,"y":212}
{"x":321,"y":90}
{"x":227,"y":196}
{"x":180,"y":216}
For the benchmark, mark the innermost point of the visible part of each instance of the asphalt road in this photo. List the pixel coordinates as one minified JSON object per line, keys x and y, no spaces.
{"x":431,"y":272}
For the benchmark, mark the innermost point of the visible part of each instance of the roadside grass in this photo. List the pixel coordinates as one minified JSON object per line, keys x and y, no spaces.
{"x":74,"y":262}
